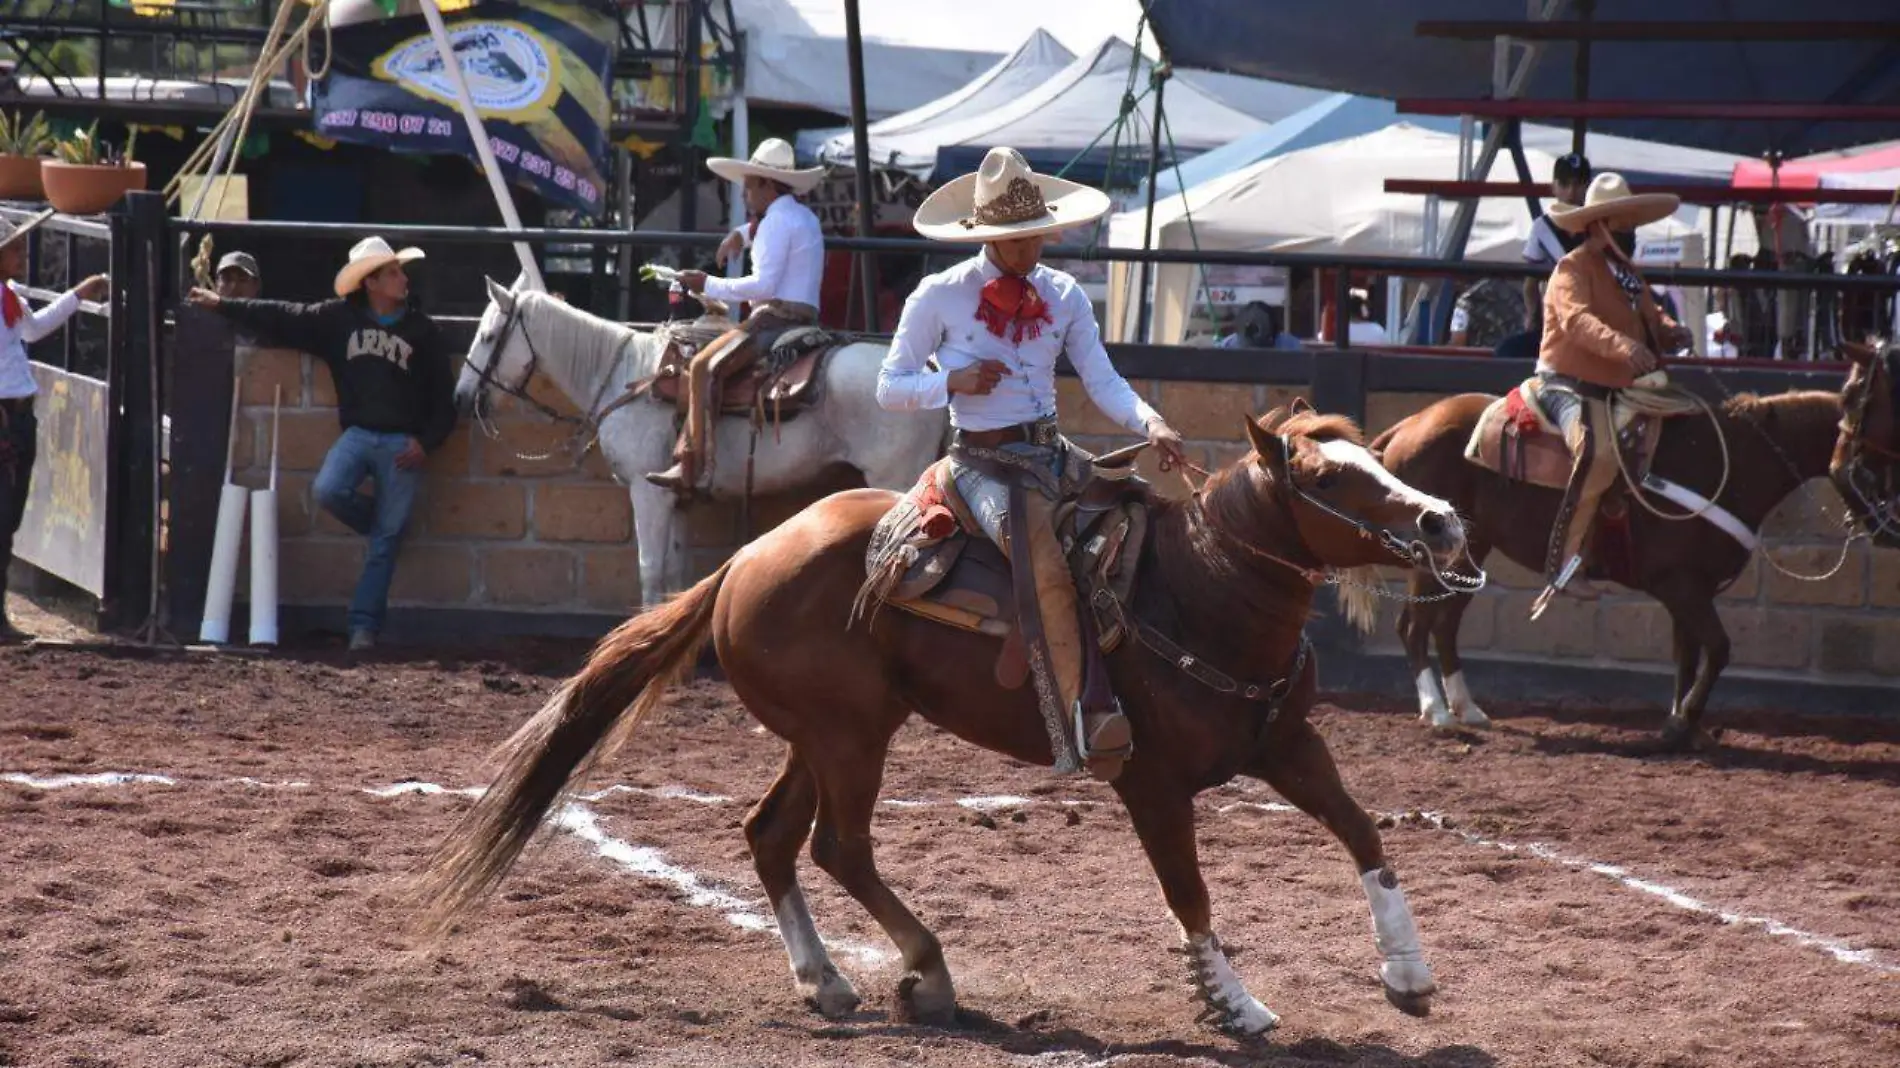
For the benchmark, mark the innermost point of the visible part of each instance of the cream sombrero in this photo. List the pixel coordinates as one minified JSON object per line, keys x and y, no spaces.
{"x":1003,"y":200}
{"x":773,"y":159}
{"x":368,"y":256}
{"x":1609,"y":200}
{"x":11,"y":231}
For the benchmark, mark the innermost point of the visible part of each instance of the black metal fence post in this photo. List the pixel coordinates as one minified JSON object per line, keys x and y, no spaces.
{"x":138,"y":230}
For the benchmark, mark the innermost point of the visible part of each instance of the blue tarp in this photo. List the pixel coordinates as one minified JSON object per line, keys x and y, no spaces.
{"x":1370,"y":47}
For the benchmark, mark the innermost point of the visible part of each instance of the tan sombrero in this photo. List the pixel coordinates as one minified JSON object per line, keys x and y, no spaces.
{"x":1609,"y":200}
{"x":1005,"y":199}
{"x":11,"y":231}
{"x":773,"y":159}
{"x":368,"y":256}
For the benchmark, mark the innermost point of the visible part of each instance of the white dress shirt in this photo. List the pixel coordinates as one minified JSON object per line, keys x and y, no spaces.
{"x":788,"y":259}
{"x":940,"y":319}
{"x":16,"y":375}
{"x":1544,"y":245}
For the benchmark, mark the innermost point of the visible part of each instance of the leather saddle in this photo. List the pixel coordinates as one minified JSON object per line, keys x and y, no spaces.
{"x":783,"y":381}
{"x":930,"y":558}
{"x":1517,"y":438}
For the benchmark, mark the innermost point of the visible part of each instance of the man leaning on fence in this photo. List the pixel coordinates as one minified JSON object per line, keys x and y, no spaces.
{"x":394,"y":385}
{"x":19,"y":428}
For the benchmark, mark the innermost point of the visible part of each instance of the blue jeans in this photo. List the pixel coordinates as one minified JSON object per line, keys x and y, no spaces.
{"x":361,"y":453}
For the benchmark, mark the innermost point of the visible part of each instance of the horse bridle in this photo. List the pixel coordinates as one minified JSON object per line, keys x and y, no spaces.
{"x":1412,"y":552}
{"x":586,"y":424}
{"x":1880,"y":502}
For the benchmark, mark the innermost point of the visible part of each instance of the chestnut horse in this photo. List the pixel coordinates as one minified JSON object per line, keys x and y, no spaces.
{"x":1226,"y":584}
{"x":1775,"y":446}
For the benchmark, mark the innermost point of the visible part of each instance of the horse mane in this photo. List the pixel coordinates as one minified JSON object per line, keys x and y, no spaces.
{"x":1755,"y":408}
{"x":1316,"y":426}
{"x":1191,"y":540}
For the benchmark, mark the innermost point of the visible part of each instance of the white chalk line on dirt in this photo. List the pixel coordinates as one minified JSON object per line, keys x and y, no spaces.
{"x":575,"y":818}
{"x":649,"y":862}
{"x":1835,"y":948}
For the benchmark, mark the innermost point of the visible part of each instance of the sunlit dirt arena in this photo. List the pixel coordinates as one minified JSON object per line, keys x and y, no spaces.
{"x":200,"y":861}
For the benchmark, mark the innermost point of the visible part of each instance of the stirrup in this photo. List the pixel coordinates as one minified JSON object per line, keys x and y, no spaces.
{"x":1121,"y":737}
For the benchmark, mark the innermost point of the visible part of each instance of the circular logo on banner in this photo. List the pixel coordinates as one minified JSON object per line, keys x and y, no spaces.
{"x":510,"y":69}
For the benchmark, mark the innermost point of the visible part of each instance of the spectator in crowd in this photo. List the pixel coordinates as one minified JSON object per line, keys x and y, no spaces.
{"x":1487,"y":313}
{"x":395,"y":400}
{"x":1361,"y":330}
{"x":1257,"y":326}
{"x":1548,"y":243}
{"x":19,"y":427}
{"x":237,"y":276}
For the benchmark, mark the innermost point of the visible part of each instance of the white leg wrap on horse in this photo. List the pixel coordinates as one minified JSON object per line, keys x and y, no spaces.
{"x":1228,"y":1004}
{"x":1462,"y":703}
{"x":1404,"y":969}
{"x":817,"y":978}
{"x":1431,"y":704}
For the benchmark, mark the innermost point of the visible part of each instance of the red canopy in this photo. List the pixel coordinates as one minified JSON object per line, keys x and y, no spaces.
{"x":1806,"y":172}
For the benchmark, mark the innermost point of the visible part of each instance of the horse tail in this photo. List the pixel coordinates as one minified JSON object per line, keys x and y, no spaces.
{"x":628,"y":672}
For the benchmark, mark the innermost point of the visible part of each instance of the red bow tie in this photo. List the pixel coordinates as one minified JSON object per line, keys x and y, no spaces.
{"x":10,"y":305}
{"x":1010,"y":301}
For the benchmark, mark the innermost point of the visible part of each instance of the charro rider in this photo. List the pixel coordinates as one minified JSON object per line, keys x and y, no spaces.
{"x":788,"y":263}
{"x":996,"y":324}
{"x":1602,"y":332}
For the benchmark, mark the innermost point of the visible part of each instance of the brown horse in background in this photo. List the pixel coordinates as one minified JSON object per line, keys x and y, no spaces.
{"x":1226,"y":577}
{"x":1775,"y":445}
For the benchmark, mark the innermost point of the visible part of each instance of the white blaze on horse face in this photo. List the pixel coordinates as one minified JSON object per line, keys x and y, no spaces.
{"x":1346,"y":454}
{"x":1221,"y":989}
{"x":1404,"y":969}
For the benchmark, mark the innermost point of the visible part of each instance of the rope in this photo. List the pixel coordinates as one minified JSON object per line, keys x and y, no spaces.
{"x":268,"y":61}
{"x":1663,"y":401}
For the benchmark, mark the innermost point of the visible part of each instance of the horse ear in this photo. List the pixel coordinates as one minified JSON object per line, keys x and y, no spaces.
{"x":1272,"y":448}
{"x":502,"y":298}
{"x":1300,"y":404}
{"x":1860,"y":354}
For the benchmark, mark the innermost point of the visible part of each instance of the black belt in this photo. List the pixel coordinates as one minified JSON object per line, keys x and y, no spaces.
{"x":1040,"y":432}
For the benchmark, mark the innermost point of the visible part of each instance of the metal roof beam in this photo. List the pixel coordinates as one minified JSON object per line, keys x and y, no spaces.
{"x":1654,"y":30}
{"x":1746,"y":111}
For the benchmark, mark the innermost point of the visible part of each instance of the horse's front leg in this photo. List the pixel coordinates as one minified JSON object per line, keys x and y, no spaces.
{"x":1163,"y":816}
{"x":662,"y":543}
{"x":1301,"y":768}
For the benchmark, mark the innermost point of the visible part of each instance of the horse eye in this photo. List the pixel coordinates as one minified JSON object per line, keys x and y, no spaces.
{"x":1326,"y":480}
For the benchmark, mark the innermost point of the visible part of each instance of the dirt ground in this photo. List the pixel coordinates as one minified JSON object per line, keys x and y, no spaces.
{"x":1582,"y":903}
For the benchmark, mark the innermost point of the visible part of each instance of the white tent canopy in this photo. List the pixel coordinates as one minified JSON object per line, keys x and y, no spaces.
{"x":1033,"y":63}
{"x":1065,"y":114}
{"x":1328,"y":199}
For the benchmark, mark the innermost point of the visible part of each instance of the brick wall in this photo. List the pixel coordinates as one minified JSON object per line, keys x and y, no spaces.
{"x":493,"y":531}
{"x":1846,"y":628}
{"x":490,"y":529}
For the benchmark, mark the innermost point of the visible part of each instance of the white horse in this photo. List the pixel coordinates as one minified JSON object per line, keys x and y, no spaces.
{"x":593,"y":360}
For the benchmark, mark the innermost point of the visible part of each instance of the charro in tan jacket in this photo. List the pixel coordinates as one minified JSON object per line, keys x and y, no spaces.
{"x":1591,"y":331}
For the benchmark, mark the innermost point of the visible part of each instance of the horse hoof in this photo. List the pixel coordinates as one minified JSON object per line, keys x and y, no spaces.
{"x":927,"y":999}
{"x":834,"y":997}
{"x":1419,"y":1005}
{"x":1475,"y":719}
{"x":1679,"y":737}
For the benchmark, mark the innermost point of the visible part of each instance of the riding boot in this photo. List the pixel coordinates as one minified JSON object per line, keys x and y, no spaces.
{"x":692,"y":455}
{"x":1594,"y":470}
{"x":1103,"y":734}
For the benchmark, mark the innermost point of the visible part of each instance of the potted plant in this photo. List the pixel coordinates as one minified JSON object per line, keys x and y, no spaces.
{"x":22,"y":143}
{"x":85,"y":176}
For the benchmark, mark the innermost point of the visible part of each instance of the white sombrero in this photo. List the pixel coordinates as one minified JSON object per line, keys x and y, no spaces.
{"x":11,"y":231}
{"x":1609,"y":200}
{"x":773,"y":159}
{"x":1005,"y":199}
{"x":368,"y":256}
